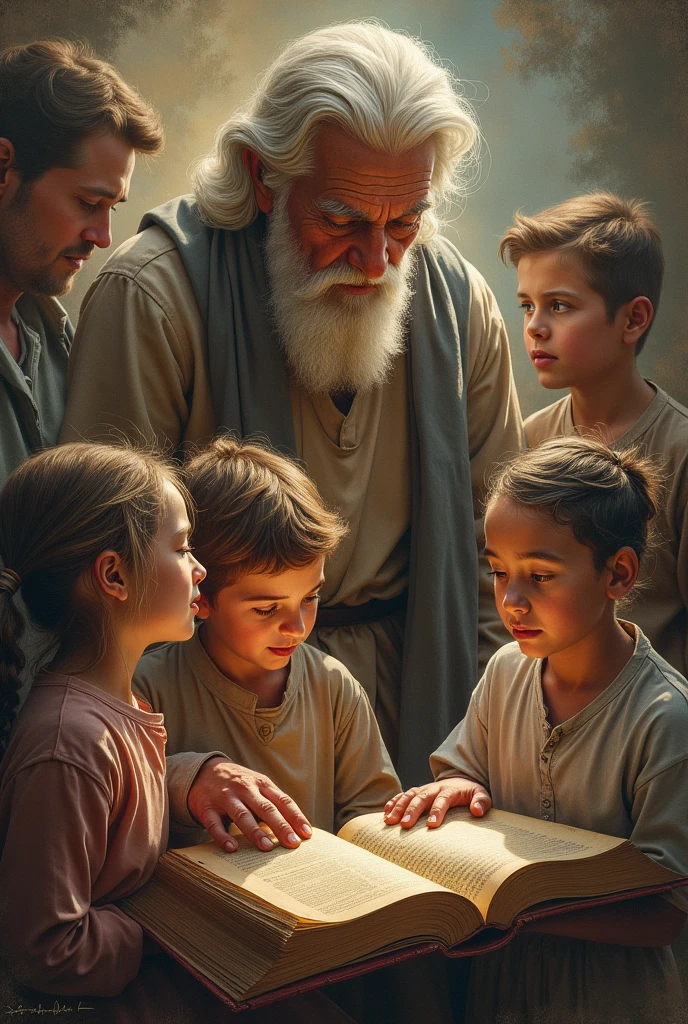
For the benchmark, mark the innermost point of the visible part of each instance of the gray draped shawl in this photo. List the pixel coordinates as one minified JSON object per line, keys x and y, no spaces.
{"x":251,"y":395}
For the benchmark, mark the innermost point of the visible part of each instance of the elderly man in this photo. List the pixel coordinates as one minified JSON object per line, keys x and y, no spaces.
{"x":303,"y":295}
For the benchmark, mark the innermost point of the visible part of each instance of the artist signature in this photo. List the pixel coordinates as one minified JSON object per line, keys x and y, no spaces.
{"x":53,"y":1010}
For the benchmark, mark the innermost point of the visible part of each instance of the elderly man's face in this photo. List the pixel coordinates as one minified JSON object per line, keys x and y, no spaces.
{"x":360,"y":206}
{"x":339,"y":262}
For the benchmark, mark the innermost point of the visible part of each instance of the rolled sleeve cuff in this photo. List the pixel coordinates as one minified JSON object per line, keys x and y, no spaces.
{"x":182,"y":770}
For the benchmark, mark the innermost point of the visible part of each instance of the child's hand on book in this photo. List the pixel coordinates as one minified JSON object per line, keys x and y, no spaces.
{"x":406,"y":808}
{"x":223,"y":789}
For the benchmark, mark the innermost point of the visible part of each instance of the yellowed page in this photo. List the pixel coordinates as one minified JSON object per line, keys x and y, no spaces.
{"x":473,"y":856}
{"x":324,"y":880}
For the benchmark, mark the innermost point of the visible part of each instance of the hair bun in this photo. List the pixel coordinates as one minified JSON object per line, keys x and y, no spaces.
{"x":10,"y":581}
{"x":608,"y":498}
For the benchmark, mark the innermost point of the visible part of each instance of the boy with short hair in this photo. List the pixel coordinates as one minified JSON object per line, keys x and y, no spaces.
{"x":589,"y":278}
{"x":246,"y":683}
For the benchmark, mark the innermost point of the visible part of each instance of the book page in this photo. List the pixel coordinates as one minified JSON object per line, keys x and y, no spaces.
{"x":472,"y":856}
{"x":324,"y":879}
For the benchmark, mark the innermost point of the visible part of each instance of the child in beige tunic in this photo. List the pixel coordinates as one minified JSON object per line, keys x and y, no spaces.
{"x":581,"y":722}
{"x":589,"y":279}
{"x":246,"y":683}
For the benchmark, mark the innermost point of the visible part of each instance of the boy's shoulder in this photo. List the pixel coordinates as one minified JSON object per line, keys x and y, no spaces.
{"x":324,"y":670}
{"x":327,"y":678}
{"x":654,"y":711}
{"x":667,"y":684}
{"x":552,"y":421}
{"x":662,"y":428}
{"x":171,"y":676}
{"x":661,"y":433}
{"x":507,"y":657}
{"x":678,"y":410}
{"x":667,"y":428}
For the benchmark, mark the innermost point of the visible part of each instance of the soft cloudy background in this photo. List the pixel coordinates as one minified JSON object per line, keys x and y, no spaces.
{"x":571,"y":94}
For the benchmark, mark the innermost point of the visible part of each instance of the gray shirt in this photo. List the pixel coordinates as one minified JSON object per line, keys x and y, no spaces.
{"x":32,"y":402}
{"x":32,"y":394}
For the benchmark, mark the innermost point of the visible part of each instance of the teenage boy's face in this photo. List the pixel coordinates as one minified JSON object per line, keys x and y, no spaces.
{"x":49,"y":227}
{"x":256,"y":624}
{"x":548,"y":592}
{"x":565,"y":326}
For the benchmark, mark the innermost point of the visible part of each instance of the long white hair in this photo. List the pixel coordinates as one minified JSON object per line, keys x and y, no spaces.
{"x":387,"y":89}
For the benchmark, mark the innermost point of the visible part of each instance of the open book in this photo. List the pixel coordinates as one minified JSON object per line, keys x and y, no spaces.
{"x":251,"y":922}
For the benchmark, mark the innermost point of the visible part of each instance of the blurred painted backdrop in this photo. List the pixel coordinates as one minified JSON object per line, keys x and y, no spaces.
{"x":571,"y":94}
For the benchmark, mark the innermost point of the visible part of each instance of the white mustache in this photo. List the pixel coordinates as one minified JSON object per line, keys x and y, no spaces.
{"x":322,"y":280}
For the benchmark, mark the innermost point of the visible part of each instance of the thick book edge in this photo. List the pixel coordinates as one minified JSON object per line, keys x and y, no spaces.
{"x":472,"y":946}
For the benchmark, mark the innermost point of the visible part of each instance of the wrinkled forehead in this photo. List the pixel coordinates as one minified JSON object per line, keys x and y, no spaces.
{"x":348,"y":171}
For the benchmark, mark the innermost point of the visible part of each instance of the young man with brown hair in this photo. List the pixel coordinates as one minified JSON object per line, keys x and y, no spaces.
{"x":589,"y":279}
{"x":69,"y":131}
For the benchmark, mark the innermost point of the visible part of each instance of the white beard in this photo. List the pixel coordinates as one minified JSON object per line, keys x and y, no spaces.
{"x":334,"y":341}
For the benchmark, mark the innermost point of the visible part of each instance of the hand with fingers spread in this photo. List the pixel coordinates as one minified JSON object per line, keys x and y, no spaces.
{"x":223,"y":789}
{"x":406,"y":808}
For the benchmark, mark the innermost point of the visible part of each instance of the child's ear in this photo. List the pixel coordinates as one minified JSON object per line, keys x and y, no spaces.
{"x":637,"y":316}
{"x":203,"y":607}
{"x":109,"y":576}
{"x":623,"y":569}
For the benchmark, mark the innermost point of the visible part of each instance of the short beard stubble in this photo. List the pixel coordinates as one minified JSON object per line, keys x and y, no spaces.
{"x":25,"y":260}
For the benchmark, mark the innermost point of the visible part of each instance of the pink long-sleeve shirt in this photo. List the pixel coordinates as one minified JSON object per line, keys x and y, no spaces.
{"x":83,"y":820}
